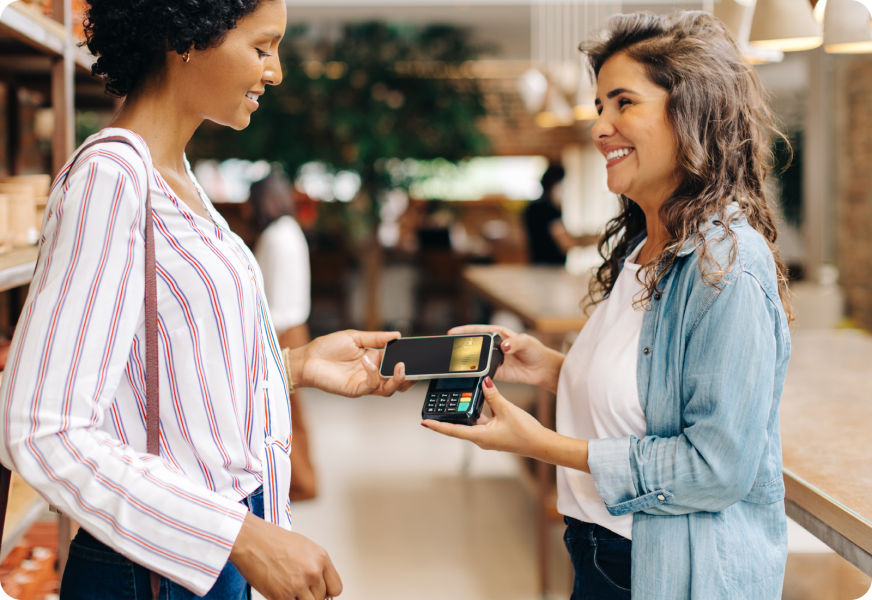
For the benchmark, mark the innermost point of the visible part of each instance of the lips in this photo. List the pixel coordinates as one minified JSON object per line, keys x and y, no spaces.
{"x":253,"y":97}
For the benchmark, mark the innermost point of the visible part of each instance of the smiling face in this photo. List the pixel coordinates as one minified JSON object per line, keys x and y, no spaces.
{"x":634,"y":133}
{"x":223,"y":84}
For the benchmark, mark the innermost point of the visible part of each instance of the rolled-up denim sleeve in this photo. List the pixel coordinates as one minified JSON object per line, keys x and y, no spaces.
{"x":728,"y":380}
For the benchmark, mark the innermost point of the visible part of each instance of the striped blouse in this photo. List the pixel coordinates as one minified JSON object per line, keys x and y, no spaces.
{"x":73,"y":422}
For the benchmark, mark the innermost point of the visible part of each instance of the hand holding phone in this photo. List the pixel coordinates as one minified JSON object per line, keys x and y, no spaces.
{"x":440,"y":356}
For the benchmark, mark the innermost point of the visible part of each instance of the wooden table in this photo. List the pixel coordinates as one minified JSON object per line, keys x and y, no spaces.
{"x":826,"y":425}
{"x":549,"y":302}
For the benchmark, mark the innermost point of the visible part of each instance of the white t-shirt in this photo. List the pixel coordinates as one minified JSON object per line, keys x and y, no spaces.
{"x":597,"y":395}
{"x":283,"y":256}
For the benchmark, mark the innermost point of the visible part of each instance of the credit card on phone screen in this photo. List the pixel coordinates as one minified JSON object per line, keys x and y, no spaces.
{"x":465,"y":355}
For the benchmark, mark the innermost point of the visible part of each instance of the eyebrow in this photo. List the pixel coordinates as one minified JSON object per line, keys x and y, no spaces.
{"x":614,"y":93}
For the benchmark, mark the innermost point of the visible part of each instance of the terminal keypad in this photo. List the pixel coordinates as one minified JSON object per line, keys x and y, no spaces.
{"x":448,"y":402}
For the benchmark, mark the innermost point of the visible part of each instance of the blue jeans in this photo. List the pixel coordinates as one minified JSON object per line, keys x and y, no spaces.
{"x":601,"y":559}
{"x":95,"y":571}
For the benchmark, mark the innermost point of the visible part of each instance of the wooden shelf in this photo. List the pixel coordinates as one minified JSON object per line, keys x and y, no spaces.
{"x":26,"y":506}
{"x":26,"y":23}
{"x":16,"y":267}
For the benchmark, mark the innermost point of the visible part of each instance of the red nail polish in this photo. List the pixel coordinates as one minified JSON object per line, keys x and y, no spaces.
{"x":506,"y":347}
{"x":488,"y":382}
{"x":424,"y":425}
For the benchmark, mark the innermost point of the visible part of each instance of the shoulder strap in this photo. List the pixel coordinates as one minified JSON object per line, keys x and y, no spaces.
{"x":152,"y":373}
{"x":152,"y":387}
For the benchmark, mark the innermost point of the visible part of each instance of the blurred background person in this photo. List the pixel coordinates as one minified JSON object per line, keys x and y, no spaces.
{"x":546,"y":235}
{"x":283,"y":255}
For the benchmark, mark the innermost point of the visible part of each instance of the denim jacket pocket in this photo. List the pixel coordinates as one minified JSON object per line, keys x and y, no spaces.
{"x":766,"y":493}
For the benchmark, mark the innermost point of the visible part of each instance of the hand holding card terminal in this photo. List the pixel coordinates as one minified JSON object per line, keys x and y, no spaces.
{"x":460,"y":399}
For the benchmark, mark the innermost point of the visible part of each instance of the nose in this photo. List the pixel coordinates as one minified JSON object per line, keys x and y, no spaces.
{"x":603,"y":128}
{"x":272,"y":70}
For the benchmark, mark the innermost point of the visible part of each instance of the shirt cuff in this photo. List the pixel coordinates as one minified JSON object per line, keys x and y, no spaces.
{"x":227,"y":527}
{"x":609,"y":462}
{"x":614,"y":476}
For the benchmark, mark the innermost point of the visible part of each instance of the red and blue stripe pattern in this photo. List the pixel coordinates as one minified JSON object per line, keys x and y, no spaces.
{"x":73,"y":422}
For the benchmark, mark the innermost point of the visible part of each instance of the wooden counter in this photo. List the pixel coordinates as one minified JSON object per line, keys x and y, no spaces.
{"x":547,"y":299}
{"x":826,"y":425}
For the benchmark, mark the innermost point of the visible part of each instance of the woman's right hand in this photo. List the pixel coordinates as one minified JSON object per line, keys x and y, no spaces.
{"x":526,"y":359}
{"x":283,"y":565}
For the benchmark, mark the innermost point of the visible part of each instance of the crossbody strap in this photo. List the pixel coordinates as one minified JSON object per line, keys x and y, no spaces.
{"x":152,"y":373}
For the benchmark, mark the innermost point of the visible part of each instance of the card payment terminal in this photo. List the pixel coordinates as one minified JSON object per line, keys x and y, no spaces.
{"x":460,"y":399}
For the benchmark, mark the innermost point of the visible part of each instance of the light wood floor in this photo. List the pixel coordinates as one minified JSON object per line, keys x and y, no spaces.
{"x":814,"y":576}
{"x":401,"y":520}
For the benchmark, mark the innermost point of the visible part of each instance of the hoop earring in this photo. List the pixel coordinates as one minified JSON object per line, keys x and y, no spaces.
{"x":186,"y":56}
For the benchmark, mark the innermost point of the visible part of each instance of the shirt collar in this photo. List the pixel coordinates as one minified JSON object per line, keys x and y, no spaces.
{"x":710,"y":229}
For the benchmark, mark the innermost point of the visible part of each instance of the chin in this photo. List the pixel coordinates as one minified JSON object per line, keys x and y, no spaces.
{"x":237,"y":121}
{"x":240,"y":124}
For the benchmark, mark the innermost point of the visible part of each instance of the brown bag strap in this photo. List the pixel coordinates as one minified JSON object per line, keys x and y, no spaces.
{"x":152,"y":372}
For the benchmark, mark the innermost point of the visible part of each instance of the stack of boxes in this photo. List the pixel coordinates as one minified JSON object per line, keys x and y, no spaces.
{"x":22,"y":206}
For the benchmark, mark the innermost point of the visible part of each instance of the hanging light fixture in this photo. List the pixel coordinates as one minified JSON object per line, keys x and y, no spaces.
{"x":532,"y":87}
{"x":558,"y":112}
{"x":819,"y":10}
{"x":737,"y":15}
{"x":847,"y":28}
{"x":585,"y":106}
{"x":786,"y":25}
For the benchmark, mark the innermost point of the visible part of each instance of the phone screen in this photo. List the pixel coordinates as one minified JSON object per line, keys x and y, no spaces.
{"x":441,"y":355}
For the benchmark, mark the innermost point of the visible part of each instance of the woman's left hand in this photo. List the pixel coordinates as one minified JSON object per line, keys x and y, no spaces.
{"x":511,"y":429}
{"x":345,"y":362}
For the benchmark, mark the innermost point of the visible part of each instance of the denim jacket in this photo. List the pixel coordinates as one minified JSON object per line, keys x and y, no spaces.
{"x":704,"y":485}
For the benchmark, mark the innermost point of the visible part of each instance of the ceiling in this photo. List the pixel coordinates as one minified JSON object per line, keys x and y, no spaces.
{"x":504,"y":24}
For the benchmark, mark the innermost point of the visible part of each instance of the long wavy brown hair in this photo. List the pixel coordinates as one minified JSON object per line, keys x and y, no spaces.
{"x":723,"y":127}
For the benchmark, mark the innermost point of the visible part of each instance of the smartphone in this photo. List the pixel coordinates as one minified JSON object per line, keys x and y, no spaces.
{"x":460,"y":399}
{"x":467,"y":355}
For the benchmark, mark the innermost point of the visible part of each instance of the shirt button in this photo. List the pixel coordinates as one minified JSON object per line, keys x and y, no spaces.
{"x":658,"y":296}
{"x":646,"y":351}
{"x":661,"y":497}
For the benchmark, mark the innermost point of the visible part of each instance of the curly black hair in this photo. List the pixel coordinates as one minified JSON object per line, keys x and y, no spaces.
{"x":131,"y":37}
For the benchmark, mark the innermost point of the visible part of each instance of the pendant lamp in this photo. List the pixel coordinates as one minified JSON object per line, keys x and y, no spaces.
{"x":558,"y":112}
{"x":786,"y":25}
{"x":585,"y":107}
{"x":847,"y":27}
{"x":736,"y":15}
{"x":532,"y":87}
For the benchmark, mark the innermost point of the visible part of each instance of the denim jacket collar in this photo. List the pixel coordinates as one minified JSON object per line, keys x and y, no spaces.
{"x":711,"y":229}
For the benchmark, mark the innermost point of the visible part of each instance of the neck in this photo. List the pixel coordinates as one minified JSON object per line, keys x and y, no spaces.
{"x":160,"y":117}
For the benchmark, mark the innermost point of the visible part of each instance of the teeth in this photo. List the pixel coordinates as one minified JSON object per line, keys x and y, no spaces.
{"x":251,"y":96}
{"x":621,"y":152}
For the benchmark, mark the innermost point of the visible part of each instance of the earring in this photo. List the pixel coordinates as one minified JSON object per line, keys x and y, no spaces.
{"x":186,"y":56}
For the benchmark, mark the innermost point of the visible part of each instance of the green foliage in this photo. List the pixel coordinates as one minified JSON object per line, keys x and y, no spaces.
{"x":346,"y":102}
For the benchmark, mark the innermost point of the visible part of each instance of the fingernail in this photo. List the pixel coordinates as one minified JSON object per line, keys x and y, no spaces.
{"x":506,"y":347}
{"x":424,"y":425}
{"x":367,"y":361}
{"x":488,"y":382}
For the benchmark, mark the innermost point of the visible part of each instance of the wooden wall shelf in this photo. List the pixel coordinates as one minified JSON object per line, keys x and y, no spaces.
{"x":26,"y":506}
{"x":16,"y":267}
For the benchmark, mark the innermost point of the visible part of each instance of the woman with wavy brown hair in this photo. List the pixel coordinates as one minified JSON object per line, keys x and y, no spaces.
{"x":667,"y":443}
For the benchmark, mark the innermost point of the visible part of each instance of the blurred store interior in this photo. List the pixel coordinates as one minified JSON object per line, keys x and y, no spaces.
{"x":414,"y":135}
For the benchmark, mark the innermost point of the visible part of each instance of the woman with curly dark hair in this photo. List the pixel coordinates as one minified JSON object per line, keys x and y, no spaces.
{"x":667,"y":443}
{"x":210,"y":514}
